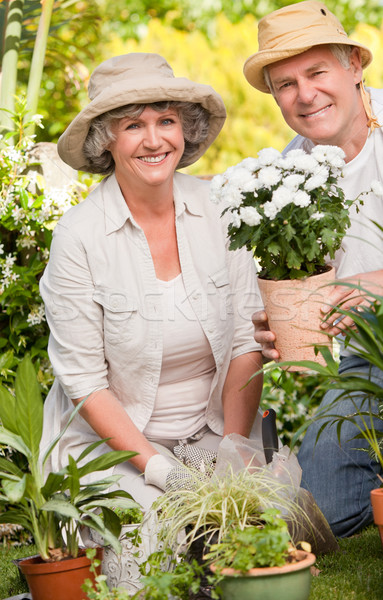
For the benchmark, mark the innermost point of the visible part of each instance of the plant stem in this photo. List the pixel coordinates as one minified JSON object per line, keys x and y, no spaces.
{"x":9,"y":64}
{"x":37,"y":64}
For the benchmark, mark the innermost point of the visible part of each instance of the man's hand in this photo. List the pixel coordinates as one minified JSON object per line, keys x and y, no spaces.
{"x":264,"y":336}
{"x":347,"y":297}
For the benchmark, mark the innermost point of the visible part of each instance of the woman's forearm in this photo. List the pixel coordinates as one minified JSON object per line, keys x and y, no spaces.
{"x":240,"y":405}
{"x":109,"y":419}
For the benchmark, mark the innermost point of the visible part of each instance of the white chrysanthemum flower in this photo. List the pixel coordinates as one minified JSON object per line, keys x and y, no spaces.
{"x":301,"y":162}
{"x":292,"y":182}
{"x":317,"y":215}
{"x":216,"y":186}
{"x":301,"y":199}
{"x":242,"y":179}
{"x":268,"y":156}
{"x":236,"y":220}
{"x":250,"y":163}
{"x":331,"y":154}
{"x":316,"y":181}
{"x":270,"y":210}
{"x":231,"y":196}
{"x":377,"y":187}
{"x":269,"y":176}
{"x":250,"y":216}
{"x":281,"y":197}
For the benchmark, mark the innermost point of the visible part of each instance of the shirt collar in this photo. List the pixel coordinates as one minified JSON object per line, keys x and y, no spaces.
{"x":117,"y":211}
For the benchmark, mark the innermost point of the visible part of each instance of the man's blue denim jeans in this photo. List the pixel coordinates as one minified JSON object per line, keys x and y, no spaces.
{"x":340,"y":477}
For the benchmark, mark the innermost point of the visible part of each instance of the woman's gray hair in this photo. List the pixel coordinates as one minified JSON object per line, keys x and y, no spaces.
{"x":342,"y":53}
{"x":195,"y":125}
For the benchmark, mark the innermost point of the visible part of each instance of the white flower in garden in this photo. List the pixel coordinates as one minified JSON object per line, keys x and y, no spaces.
{"x":13,"y":154}
{"x":242,"y":179}
{"x":331,"y":154}
{"x":298,"y":160}
{"x":377,"y":187}
{"x":301,"y":199}
{"x":316,"y":181}
{"x":269,"y":176}
{"x":37,"y":120}
{"x":236,"y":220}
{"x":317,"y":215}
{"x":216,"y":186}
{"x":37,"y":315}
{"x":281,"y":197}
{"x":232,"y":196}
{"x":45,"y":253}
{"x":1,"y":248}
{"x":268,"y":156}
{"x":292,"y":182}
{"x":249,"y":163}
{"x":270,"y":210}
{"x":18,"y":214}
{"x":250,"y":215}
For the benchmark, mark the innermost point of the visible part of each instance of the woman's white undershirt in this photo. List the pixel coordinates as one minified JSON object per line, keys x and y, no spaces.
{"x":188,"y":368}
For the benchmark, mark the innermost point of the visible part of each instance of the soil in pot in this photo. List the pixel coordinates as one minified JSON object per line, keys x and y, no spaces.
{"x":61,"y":580}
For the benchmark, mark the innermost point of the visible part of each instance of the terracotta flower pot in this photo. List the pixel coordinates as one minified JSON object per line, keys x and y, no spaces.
{"x":290,"y":582}
{"x":377,"y":509}
{"x":61,"y":580}
{"x":293,"y":310}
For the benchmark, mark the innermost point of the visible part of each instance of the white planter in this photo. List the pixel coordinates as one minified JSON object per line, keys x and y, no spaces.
{"x":123,"y":570}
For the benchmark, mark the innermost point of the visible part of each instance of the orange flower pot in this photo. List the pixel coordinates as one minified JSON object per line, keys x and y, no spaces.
{"x":61,"y":580}
{"x":377,"y":509}
{"x":293,"y":310}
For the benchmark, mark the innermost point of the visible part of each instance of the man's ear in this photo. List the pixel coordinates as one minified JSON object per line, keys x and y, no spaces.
{"x":356,"y":65}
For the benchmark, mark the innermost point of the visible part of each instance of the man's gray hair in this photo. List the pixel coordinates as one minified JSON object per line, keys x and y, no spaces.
{"x":195,"y":125}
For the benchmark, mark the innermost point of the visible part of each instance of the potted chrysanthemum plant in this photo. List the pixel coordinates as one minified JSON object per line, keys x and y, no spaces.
{"x":291,"y":213}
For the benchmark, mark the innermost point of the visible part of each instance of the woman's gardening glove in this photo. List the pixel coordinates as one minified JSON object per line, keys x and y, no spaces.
{"x":201,"y":459}
{"x":198,"y":465}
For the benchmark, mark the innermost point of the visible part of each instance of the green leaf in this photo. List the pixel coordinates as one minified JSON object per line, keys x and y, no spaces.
{"x":14,"y":490}
{"x":29,"y":406}
{"x":62,"y":507}
{"x":8,"y":410}
{"x":106,"y":461}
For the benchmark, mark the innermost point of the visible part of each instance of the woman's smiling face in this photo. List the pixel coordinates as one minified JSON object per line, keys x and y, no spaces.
{"x":148,"y":148}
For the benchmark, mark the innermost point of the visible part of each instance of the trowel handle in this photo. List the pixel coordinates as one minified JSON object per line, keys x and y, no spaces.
{"x":269,"y":434}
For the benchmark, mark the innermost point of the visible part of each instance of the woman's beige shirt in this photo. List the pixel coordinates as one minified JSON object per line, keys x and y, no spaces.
{"x":103,"y":305}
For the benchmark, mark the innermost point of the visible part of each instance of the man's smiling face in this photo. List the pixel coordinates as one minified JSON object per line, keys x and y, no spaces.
{"x":318,"y":97}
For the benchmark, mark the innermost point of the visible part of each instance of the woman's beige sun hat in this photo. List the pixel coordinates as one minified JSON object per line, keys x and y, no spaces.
{"x":137,"y":78}
{"x":292,"y":30}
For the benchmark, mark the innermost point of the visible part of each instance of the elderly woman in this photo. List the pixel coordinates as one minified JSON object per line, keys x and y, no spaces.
{"x":149,"y":313}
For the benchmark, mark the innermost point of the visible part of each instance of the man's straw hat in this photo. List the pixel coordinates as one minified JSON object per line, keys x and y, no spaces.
{"x":292,"y":30}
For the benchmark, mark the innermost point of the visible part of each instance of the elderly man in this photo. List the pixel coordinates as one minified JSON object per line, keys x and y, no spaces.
{"x":315,"y":74}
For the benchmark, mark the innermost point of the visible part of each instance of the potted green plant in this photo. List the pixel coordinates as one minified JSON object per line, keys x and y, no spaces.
{"x":364,"y":339}
{"x":53,"y":507}
{"x":260,"y":562}
{"x":291,"y":213}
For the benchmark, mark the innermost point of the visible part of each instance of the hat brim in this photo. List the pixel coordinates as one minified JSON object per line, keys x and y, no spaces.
{"x":253,"y":67}
{"x":178,"y":89}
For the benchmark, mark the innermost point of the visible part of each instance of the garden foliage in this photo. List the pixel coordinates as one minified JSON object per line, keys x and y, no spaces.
{"x":28,"y":214}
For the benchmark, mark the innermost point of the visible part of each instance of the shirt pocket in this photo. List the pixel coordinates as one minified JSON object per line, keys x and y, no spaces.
{"x":120,"y":315}
{"x":220,"y":292}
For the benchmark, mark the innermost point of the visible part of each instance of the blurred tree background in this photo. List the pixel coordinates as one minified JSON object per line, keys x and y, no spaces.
{"x":206,"y":40}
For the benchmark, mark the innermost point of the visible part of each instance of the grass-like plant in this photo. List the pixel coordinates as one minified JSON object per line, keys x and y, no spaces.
{"x":215,"y":506}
